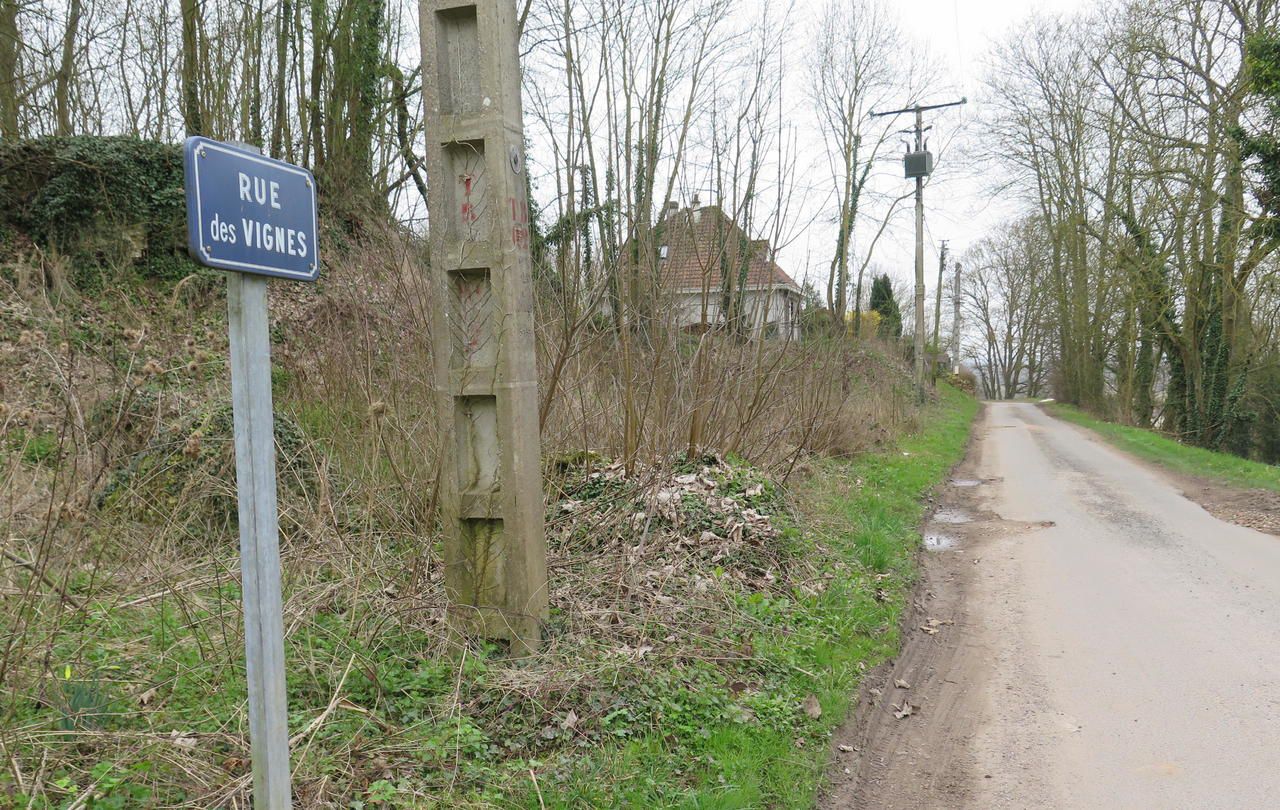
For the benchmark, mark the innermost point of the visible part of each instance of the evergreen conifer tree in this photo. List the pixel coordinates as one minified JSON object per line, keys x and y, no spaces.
{"x":884,"y":302}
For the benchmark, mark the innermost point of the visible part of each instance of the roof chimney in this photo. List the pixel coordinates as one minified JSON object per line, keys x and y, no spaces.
{"x":671,"y":209}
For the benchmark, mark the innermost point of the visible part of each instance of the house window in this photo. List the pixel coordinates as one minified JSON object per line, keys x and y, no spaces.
{"x":662,"y":252}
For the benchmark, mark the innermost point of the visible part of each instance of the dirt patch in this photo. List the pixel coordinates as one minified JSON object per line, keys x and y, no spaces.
{"x":906,"y":737}
{"x":1257,"y":509}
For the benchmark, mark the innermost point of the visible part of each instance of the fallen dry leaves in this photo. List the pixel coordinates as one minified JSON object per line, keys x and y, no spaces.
{"x":932,"y":625}
{"x":812,"y":707}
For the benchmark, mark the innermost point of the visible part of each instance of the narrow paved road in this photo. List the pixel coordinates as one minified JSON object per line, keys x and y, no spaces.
{"x":1126,"y":656}
{"x":1138,"y":635}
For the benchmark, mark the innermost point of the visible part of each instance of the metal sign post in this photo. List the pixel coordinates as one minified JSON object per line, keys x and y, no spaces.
{"x":482,"y":320}
{"x":259,"y":538}
{"x":255,"y":217}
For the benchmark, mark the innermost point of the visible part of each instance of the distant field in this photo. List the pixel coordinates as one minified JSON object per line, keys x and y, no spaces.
{"x":1168,"y":452}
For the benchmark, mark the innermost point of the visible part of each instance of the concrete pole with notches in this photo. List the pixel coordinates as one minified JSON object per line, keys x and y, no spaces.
{"x":482,"y":321}
{"x":955,"y":323}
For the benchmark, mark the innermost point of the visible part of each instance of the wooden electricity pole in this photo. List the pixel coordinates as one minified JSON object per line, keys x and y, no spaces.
{"x":955,"y":323}
{"x":919,"y":165}
{"x":482,"y":321}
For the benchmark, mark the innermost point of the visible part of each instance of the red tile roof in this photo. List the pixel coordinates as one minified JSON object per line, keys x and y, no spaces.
{"x":695,"y":242}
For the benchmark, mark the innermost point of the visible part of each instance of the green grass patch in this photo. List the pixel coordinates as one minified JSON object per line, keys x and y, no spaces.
{"x":1168,"y":452}
{"x":713,"y":748}
{"x":712,"y":716}
{"x":33,"y":447}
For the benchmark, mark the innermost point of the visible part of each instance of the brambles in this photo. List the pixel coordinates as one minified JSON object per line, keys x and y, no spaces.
{"x":184,"y":477}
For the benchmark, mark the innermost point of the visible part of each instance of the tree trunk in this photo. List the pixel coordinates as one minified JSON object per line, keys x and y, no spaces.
{"x":62,"y":83}
{"x":368,"y":42}
{"x":313,"y":146}
{"x":9,"y":90}
{"x":191,"y":113}
{"x":281,"y":79}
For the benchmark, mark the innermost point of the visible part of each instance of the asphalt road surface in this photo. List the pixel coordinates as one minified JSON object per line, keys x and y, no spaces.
{"x":1113,"y":644}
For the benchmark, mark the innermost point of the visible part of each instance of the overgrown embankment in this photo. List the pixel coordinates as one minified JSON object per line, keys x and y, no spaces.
{"x":1228,"y":486}
{"x":1170,"y":453}
{"x":709,"y":611}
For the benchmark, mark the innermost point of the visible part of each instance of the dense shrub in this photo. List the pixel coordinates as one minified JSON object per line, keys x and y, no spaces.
{"x":108,"y":202}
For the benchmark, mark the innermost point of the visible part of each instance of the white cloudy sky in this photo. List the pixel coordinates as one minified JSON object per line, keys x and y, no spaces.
{"x":959,"y":205}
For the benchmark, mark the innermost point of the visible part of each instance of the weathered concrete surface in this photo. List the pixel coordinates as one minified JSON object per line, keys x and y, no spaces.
{"x":490,"y":486}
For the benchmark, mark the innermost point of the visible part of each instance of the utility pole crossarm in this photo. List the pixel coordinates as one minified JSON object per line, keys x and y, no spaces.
{"x":920,"y":108}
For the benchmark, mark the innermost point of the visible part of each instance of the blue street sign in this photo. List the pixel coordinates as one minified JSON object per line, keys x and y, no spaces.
{"x":250,"y":213}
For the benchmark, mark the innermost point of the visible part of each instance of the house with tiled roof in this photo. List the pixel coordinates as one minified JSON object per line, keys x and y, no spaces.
{"x":701,"y":256}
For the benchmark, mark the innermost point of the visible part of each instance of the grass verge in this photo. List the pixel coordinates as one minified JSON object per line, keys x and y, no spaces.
{"x":707,"y":671}
{"x":860,"y":519}
{"x":1168,"y":452}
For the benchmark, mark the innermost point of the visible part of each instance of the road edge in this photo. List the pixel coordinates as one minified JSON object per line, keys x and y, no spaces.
{"x":1230,"y":503}
{"x":941,"y":582}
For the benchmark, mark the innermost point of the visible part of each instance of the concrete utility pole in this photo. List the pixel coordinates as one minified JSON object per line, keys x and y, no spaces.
{"x":955,"y":323}
{"x":937,"y":310}
{"x":919,"y":164}
{"x":482,"y":320}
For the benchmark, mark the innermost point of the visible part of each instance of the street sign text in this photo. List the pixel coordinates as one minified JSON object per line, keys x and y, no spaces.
{"x":249,"y":213}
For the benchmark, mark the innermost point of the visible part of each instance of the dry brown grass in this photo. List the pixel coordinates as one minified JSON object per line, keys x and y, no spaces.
{"x":119,"y":597}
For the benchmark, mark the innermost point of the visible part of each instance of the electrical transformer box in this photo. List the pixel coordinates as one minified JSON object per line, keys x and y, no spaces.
{"x":918,"y":164}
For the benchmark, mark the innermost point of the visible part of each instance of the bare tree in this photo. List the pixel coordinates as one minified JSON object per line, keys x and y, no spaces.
{"x":1005,"y":295}
{"x":857,"y":64}
{"x":1126,"y":124}
{"x":192,"y":115}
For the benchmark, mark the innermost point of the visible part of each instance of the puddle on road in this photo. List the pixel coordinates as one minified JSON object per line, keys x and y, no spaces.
{"x":935,"y":541}
{"x":965,"y":482}
{"x":951,"y":516}
{"x":940,"y":540}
